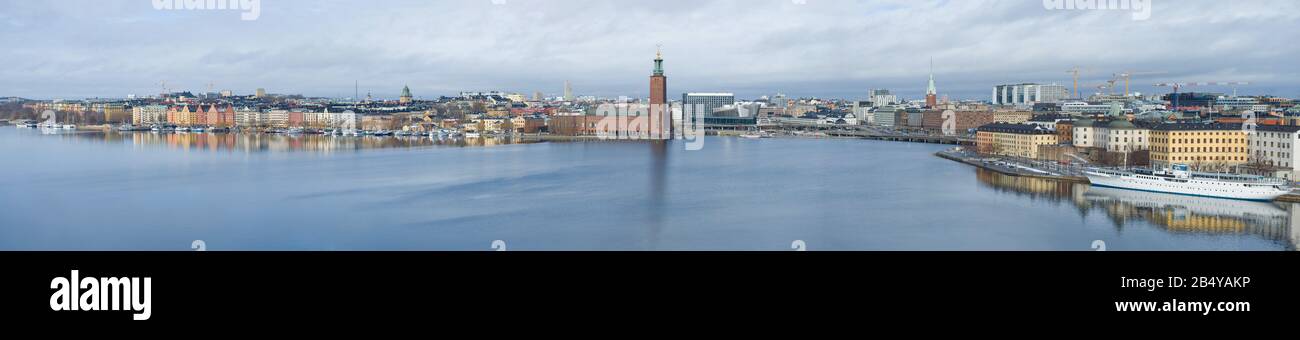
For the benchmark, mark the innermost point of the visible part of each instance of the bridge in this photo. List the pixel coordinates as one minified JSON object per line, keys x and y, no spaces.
{"x":866,"y":132}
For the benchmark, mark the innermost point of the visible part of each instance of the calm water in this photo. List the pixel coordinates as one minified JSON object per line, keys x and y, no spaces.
{"x":141,"y":191}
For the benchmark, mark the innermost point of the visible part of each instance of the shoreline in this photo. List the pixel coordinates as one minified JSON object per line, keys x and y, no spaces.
{"x":1288,"y":198}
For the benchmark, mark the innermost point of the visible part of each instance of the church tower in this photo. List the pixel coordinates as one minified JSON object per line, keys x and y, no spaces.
{"x":931,"y":93}
{"x":406,"y":95}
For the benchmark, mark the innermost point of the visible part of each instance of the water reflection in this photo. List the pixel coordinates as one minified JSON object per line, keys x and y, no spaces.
{"x":1176,"y":214}
{"x":657,"y":206}
{"x":280,"y":142}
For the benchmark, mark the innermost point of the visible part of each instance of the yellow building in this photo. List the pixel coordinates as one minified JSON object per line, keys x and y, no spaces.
{"x":1211,"y":147}
{"x":117,"y":113}
{"x":1015,"y":140}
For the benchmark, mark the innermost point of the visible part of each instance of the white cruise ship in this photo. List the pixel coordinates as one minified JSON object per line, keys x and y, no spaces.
{"x":1178,"y":180}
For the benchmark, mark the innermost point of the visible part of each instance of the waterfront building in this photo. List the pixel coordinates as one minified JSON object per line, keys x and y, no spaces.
{"x":1209,"y":147}
{"x":901,"y":117}
{"x":915,"y":118}
{"x":316,"y":119}
{"x":378,"y":122}
{"x":707,"y":103}
{"x":220,"y":116}
{"x":1087,"y":133}
{"x":488,"y":125}
{"x":1015,"y":140}
{"x":274,"y":118}
{"x":247,"y":117}
{"x":1272,"y":150}
{"x":296,"y":119}
{"x":528,"y":124}
{"x":862,"y":109}
{"x":885,"y":116}
{"x":1028,"y":94}
{"x":115,"y":113}
{"x":1065,"y":132}
{"x":659,"y":101}
{"x":180,"y":116}
{"x":149,"y":115}
{"x":573,"y":125}
{"x":768,"y":113}
{"x":1123,"y":136}
{"x":963,"y":121}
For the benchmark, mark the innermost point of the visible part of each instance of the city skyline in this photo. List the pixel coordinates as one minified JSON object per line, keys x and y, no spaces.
{"x":829,"y":49}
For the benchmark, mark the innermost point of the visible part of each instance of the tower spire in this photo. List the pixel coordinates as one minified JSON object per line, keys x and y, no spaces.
{"x":659,"y":60}
{"x":931,"y":89}
{"x":931,"y":93}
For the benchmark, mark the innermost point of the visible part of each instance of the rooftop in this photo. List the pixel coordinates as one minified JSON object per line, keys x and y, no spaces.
{"x":1278,"y":128}
{"x":1195,"y":127}
{"x":1016,"y":128}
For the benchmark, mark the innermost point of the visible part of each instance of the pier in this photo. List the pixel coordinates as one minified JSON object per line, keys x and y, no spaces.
{"x":1011,"y":167}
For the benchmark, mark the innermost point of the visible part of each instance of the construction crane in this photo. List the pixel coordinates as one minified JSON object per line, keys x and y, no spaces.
{"x":1075,"y":71}
{"x":1179,"y":86}
{"x":1128,"y":75}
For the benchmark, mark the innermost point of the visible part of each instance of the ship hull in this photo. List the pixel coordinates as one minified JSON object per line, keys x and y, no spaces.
{"x":1192,"y":187}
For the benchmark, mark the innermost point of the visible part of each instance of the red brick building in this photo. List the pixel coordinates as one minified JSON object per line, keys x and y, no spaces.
{"x":574,"y":125}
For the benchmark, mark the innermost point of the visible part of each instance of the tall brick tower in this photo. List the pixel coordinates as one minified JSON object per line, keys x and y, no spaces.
{"x":659,"y":101}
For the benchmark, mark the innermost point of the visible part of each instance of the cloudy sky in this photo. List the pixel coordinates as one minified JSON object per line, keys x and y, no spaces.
{"x":825,"y":48}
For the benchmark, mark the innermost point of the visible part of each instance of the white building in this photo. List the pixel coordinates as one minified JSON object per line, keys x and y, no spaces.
{"x":884,"y":116}
{"x":1123,"y":136}
{"x":1241,"y":103}
{"x":1273,"y":146}
{"x":882,"y":98}
{"x":1080,"y":108}
{"x":862,"y":110}
{"x":345,"y":120}
{"x":246,"y":117}
{"x":1029,"y":94}
{"x":149,"y":115}
{"x":1086,"y":133}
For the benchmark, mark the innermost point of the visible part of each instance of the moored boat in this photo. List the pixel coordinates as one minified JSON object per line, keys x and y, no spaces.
{"x":1179,"y":180}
